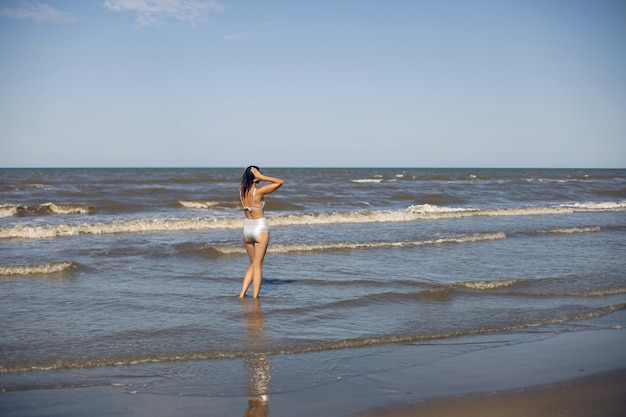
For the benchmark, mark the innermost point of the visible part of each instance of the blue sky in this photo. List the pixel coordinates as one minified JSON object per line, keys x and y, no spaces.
{"x":474,"y":83}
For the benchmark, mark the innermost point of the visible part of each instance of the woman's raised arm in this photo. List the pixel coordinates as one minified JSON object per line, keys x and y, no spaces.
{"x":274,"y":183}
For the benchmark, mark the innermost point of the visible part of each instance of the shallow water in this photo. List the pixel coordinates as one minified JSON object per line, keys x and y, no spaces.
{"x":104,"y":267}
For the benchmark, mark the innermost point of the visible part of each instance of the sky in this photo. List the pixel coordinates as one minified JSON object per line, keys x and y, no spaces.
{"x":295,"y":83}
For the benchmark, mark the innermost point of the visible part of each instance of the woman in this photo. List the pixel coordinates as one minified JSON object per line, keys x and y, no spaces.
{"x":256,"y":233}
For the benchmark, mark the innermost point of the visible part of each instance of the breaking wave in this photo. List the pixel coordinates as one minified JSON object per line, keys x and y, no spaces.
{"x":571,"y":230}
{"x":49,"y":268}
{"x":129,"y":226}
{"x":198,"y":204}
{"x":597,"y":206}
{"x":604,"y":292}
{"x":8,"y":210}
{"x":228,"y":250}
{"x":489,"y":285}
{"x":368,"y":180}
{"x":436,"y":212}
{"x":412,"y":213}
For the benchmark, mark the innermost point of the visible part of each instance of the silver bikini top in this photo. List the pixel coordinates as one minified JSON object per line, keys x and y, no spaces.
{"x":252,"y":208}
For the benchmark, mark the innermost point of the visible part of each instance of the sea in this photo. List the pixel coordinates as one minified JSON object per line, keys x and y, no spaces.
{"x":128,"y":278}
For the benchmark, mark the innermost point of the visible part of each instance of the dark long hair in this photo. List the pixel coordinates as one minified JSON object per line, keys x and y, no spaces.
{"x":247,"y":180}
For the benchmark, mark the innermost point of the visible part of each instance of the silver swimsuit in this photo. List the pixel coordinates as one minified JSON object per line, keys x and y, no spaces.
{"x":252,"y":228}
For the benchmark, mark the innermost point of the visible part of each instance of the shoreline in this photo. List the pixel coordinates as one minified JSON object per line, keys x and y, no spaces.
{"x":478,"y":375}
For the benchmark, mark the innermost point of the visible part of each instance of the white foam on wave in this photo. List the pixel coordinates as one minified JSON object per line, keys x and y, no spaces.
{"x":40,"y":186}
{"x":604,"y":292}
{"x":412,"y":213}
{"x":599,"y":293}
{"x":572,"y":230}
{"x":436,"y":212}
{"x":228,"y":250}
{"x":49,"y":268}
{"x":129,"y":226}
{"x":198,"y":204}
{"x":9,"y":210}
{"x":368,"y":180}
{"x":66,"y":208}
{"x":363,"y":216}
{"x":489,"y":285}
{"x":597,"y":206}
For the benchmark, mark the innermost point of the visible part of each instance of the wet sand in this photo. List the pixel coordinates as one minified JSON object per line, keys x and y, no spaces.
{"x":602,"y":395}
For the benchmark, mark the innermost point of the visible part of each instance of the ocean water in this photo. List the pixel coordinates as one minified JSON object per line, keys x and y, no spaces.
{"x":129,"y":277}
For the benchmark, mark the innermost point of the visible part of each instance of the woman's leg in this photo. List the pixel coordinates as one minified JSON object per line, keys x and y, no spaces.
{"x":248,"y":276}
{"x":260,"y":247}
{"x":254,"y":274}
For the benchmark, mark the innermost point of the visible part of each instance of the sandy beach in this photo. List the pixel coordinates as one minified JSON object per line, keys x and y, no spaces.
{"x":579,"y":374}
{"x":601,"y":395}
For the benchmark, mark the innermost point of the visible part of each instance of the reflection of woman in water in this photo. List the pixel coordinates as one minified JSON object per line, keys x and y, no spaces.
{"x":257,"y":364}
{"x":256,"y":234}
